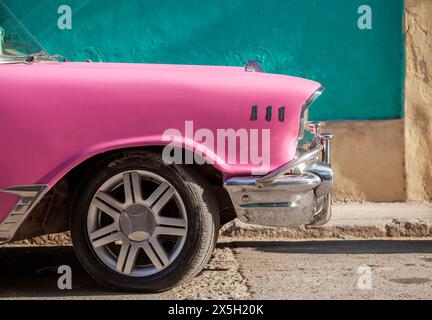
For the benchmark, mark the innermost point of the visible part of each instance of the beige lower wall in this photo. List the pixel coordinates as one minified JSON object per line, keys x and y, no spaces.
{"x":418,"y":99}
{"x":368,"y":160}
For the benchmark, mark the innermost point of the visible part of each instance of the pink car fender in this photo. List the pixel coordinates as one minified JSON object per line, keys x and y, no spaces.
{"x":55,"y":115}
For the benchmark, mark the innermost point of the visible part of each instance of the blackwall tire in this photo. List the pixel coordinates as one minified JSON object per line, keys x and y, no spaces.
{"x":138,"y":240}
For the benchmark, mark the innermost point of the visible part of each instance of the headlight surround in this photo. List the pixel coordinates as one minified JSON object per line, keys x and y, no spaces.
{"x":303,"y":124}
{"x":304,"y":117}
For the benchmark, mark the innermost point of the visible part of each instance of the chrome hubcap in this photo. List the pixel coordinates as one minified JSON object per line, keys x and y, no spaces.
{"x":137,"y":223}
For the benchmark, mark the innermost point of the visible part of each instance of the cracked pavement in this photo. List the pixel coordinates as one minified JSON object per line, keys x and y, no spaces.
{"x":246,"y":269}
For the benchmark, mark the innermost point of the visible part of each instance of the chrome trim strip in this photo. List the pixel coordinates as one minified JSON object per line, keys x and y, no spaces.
{"x":312,"y":156}
{"x":290,"y":184}
{"x":12,"y":59}
{"x":29,"y":197}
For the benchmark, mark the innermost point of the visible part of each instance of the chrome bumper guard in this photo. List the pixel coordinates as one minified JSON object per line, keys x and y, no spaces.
{"x":298,"y":193}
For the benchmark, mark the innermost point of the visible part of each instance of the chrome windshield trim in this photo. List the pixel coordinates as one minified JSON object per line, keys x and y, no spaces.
{"x":19,"y":27}
{"x":12,"y":59}
{"x":312,"y":155}
{"x":37,"y":57}
{"x":29,"y":197}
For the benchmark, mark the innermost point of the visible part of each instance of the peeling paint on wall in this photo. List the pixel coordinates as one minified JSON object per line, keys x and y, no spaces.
{"x":362,"y":70}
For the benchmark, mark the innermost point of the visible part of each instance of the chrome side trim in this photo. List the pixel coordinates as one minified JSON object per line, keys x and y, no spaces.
{"x":308,"y":157}
{"x":29,"y":198}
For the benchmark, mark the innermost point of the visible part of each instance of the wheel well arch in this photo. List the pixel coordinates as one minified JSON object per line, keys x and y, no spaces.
{"x":52,"y":214}
{"x":213,"y":175}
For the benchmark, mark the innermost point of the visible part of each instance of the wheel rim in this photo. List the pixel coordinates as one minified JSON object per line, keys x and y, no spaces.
{"x":137,"y":223}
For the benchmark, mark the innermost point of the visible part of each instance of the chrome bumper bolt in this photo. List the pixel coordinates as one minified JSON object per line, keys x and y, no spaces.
{"x":326,"y":139}
{"x":246,"y":198}
{"x":315,"y":127}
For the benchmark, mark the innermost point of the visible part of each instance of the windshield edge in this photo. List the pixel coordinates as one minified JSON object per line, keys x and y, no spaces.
{"x":41,"y":54}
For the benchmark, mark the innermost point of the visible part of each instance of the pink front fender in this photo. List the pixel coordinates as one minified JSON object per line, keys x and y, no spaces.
{"x":54,"y":116}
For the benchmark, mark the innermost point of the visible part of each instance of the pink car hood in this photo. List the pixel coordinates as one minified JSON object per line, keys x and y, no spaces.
{"x":53,"y":116}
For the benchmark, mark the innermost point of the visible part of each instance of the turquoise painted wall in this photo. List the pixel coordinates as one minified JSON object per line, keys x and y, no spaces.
{"x":362,"y":70}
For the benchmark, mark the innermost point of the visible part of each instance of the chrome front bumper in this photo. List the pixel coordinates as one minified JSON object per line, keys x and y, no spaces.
{"x":296,"y":194}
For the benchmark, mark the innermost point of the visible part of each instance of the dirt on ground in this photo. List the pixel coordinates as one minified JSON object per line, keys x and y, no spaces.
{"x":247,"y":269}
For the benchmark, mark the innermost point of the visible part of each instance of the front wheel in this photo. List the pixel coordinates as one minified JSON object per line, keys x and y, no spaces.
{"x":141,"y":225}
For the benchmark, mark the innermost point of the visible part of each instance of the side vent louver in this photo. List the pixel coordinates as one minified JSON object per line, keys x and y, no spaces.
{"x":268,"y":113}
{"x":254,"y":113}
{"x":282,"y":114}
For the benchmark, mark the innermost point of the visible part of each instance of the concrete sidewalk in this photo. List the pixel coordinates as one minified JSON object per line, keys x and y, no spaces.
{"x":360,"y":220}
{"x":366,"y":214}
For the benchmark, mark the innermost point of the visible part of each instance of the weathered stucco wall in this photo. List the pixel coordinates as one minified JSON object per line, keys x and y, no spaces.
{"x":368,"y":160}
{"x":418,"y":99}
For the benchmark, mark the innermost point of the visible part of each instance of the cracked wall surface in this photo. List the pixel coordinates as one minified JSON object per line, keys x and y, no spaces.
{"x":418,"y":99}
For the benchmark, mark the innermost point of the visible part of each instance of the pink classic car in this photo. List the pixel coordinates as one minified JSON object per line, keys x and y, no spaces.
{"x":143,"y":163}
